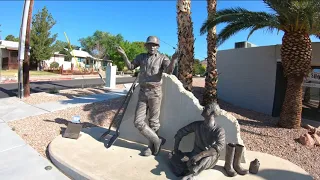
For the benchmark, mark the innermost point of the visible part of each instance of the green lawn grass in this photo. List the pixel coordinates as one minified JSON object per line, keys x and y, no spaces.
{"x":32,"y":73}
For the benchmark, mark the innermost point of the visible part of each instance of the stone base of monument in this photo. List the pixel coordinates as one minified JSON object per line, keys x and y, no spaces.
{"x":87,"y":158}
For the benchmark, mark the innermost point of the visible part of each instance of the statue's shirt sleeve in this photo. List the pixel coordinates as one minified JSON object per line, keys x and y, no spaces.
{"x":190,"y":128}
{"x":206,"y":138}
{"x":165,"y":62}
{"x":137,"y":61}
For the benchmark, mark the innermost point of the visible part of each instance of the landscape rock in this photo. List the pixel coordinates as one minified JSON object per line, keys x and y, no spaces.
{"x":306,"y":140}
{"x":318,"y":131}
{"x":316,"y":139}
{"x":179,"y":107}
{"x":310,"y":128}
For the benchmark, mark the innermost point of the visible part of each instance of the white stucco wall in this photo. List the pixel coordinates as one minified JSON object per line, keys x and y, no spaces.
{"x":248,"y":77}
{"x":179,"y":108}
{"x":66,"y":65}
{"x":77,"y":65}
{"x":58,"y":59}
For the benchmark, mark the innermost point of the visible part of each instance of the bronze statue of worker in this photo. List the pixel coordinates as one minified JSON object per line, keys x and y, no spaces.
{"x":208,"y":143}
{"x":152,"y":64}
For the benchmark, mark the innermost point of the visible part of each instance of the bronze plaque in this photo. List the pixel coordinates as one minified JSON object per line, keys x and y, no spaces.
{"x":72,"y":131}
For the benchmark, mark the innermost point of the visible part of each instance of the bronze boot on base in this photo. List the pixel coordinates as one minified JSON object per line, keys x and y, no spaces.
{"x":148,"y":150}
{"x":237,"y":160}
{"x":228,"y":166}
{"x":153,"y":138}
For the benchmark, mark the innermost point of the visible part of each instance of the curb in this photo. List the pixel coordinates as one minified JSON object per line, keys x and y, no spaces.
{"x":54,"y":79}
{"x":34,"y":80}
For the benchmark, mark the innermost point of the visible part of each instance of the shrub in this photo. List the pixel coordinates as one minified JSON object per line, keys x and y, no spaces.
{"x":54,"y":65}
{"x":53,"y":90}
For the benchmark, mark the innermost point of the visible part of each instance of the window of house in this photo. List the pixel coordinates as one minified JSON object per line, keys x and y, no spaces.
{"x":81,"y":59}
{"x":14,"y":53}
{"x":311,"y":90}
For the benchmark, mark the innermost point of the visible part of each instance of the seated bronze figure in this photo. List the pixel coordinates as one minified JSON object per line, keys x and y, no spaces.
{"x":209,"y":141}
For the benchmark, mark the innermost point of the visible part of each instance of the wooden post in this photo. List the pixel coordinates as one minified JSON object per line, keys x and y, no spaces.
{"x":26,"y":62}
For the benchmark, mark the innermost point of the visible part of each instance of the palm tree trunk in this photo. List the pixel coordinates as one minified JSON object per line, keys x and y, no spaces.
{"x":210,"y":93}
{"x":26,"y":62}
{"x":296,"y":59}
{"x":186,"y":43}
{"x":291,"y":112}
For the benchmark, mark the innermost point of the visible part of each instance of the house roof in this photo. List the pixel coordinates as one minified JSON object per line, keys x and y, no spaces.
{"x":84,"y":54}
{"x":80,"y":53}
{"x":9,"y":45}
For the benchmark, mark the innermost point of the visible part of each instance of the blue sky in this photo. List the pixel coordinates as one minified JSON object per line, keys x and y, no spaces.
{"x":135,"y":20}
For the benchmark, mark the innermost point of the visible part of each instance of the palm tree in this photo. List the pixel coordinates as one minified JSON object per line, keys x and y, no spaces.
{"x":298,"y":19}
{"x":210,"y":93}
{"x":186,"y":43}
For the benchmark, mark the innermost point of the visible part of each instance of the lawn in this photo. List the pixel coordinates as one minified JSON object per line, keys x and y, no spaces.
{"x":32,"y":73}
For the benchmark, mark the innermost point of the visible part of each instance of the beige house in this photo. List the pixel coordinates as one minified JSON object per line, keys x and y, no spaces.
{"x":9,"y":54}
{"x":251,"y":77}
{"x":80,"y":59}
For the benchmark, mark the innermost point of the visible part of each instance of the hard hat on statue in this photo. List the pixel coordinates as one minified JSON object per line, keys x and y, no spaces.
{"x":153,"y":40}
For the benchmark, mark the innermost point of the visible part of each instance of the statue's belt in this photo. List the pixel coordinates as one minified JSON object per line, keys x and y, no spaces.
{"x":150,"y":86}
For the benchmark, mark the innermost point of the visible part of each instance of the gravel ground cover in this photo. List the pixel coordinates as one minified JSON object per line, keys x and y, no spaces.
{"x":258,"y":131}
{"x":37,"y":98}
{"x":39,"y":131}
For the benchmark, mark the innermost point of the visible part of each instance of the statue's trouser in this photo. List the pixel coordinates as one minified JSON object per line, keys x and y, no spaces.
{"x":149,"y":99}
{"x":203,"y":164}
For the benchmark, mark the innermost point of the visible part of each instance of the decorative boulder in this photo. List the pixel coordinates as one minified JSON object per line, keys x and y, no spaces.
{"x":179,"y":107}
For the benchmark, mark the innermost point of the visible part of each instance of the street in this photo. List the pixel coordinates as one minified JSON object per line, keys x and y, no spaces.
{"x":9,"y":90}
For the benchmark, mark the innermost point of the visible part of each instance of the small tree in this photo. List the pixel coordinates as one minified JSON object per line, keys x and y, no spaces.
{"x":11,"y":37}
{"x":66,"y":52}
{"x":41,"y":39}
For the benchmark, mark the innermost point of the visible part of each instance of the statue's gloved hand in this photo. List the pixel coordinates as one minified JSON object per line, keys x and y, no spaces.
{"x":194,"y":160}
{"x":175,"y":55}
{"x":176,"y":151}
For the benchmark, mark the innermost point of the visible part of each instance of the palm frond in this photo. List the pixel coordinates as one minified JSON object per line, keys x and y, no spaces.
{"x":258,"y":27}
{"x":277,"y":5}
{"x":228,"y":31}
{"x":237,"y":15}
{"x":296,"y":15}
{"x":225,"y":15}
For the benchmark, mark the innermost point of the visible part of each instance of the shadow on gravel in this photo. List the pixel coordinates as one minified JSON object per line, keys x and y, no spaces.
{"x":103,"y":112}
{"x":65,"y":122}
{"x":259,"y":134}
{"x":257,"y":123}
{"x":80,"y":93}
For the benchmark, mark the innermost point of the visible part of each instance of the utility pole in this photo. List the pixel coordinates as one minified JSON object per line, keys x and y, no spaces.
{"x":26,"y":63}
{"x":21,"y":50}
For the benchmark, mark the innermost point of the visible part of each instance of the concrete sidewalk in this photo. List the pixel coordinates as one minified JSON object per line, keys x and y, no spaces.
{"x":14,"y":79}
{"x":18,"y":159}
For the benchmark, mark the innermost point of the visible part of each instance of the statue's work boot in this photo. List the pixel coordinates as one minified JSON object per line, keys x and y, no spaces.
{"x":228,"y":166}
{"x":153,"y":138}
{"x":148,"y":151}
{"x":237,"y":160}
